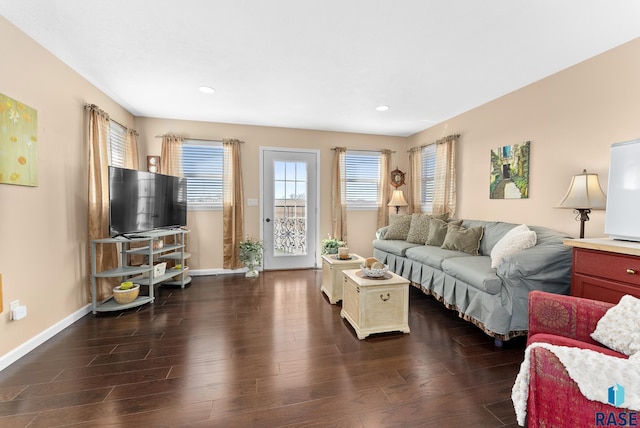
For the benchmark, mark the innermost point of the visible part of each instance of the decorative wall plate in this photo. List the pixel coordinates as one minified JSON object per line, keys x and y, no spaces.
{"x":153,"y":163}
{"x":397,"y":178}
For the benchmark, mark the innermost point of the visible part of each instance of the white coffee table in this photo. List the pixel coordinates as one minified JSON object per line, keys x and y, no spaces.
{"x":332,"y":268}
{"x":375,"y":305}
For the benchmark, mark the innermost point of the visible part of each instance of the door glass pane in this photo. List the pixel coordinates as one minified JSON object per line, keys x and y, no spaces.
{"x":278,"y":170}
{"x":290,"y":209}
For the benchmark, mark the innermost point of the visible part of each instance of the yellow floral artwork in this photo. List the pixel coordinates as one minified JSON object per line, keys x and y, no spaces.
{"x":18,"y":143}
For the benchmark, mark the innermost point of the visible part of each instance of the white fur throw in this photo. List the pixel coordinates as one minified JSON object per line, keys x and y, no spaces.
{"x":592,"y":371}
{"x":517,"y":239}
{"x":617,"y":328}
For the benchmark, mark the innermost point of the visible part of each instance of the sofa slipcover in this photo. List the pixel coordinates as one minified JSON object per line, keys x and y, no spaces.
{"x":496,"y":300}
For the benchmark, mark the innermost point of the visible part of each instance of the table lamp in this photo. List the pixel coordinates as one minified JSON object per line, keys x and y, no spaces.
{"x":584,"y":195}
{"x":397,"y":200}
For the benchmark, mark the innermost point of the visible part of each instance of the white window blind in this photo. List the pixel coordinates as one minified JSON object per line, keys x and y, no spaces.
{"x":362,"y":175}
{"x":117,"y":144}
{"x":202,"y":165}
{"x":427,"y":176}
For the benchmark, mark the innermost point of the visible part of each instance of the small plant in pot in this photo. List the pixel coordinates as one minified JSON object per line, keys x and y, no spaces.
{"x":331,"y":245}
{"x":251,"y":255}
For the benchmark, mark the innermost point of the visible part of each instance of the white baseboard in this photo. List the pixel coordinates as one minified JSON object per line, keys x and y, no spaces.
{"x":31,"y":344}
{"x":220,"y":271}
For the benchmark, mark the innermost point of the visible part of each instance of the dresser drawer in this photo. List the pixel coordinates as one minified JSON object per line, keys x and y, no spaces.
{"x":615,"y":267}
{"x":594,"y":288}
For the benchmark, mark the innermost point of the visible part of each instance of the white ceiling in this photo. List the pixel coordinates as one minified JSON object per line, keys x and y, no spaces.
{"x":320,"y":64}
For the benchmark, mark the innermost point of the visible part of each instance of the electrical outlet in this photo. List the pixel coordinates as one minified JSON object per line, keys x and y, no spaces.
{"x":19,"y":313}
{"x":12,"y":307}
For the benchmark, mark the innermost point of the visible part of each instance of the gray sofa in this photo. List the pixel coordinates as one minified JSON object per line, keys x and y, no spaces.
{"x":495,"y":300}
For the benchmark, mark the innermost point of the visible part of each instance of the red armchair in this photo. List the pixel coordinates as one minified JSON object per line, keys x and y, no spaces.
{"x":554,"y":398}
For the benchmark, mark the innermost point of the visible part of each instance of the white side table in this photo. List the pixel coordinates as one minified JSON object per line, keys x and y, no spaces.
{"x":375,"y":305}
{"x":332,"y":268}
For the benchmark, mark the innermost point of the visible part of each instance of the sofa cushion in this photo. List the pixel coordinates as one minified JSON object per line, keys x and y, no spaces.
{"x":555,"y":339}
{"x":459,"y":238}
{"x":431,"y":256}
{"x":517,"y":239}
{"x":475,"y":271}
{"x":438,"y":231}
{"x":419,"y":229}
{"x":394,"y":246}
{"x":398,"y":226}
{"x":617,"y":327}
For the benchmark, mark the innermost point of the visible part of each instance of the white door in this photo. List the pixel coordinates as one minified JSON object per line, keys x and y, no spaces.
{"x":289,"y":208}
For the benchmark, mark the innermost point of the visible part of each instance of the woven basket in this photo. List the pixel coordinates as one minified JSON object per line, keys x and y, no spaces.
{"x":126,"y":296}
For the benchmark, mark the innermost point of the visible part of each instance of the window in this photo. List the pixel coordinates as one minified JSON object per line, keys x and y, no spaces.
{"x":117,"y":144}
{"x":362,"y":175}
{"x":427,"y":177}
{"x":202,"y":165}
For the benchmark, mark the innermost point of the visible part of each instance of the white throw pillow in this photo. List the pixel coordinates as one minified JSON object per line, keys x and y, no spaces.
{"x":517,"y":239}
{"x":617,"y":328}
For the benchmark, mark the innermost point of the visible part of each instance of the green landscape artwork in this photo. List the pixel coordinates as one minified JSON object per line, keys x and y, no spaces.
{"x":510,"y":172}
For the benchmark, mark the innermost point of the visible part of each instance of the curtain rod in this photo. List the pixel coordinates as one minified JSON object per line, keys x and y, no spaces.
{"x":88,"y":106}
{"x":196,"y":139}
{"x":362,"y":150}
{"x":126,"y":128}
{"x":440,"y":141}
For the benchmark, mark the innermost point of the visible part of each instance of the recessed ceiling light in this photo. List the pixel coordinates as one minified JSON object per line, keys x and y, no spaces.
{"x":207,"y":89}
{"x":382,"y":108}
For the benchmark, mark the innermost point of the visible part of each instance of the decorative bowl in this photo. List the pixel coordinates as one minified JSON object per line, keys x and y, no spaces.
{"x":374,"y":273}
{"x":126,"y":296}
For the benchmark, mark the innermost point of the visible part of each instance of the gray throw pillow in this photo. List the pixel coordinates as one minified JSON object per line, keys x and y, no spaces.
{"x":459,"y":238}
{"x":398,"y":226}
{"x":419,"y":229}
{"x":438,"y":231}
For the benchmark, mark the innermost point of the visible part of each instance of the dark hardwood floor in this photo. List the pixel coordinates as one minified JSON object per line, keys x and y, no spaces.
{"x":235,"y":352}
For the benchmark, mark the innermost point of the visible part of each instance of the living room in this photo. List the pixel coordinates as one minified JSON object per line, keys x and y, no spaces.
{"x":571,"y":118}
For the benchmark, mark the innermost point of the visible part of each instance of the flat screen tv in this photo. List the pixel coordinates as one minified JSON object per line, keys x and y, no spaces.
{"x":140,"y":201}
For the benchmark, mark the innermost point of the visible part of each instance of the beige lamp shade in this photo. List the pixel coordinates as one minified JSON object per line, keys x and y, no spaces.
{"x":397,"y":199}
{"x":584,"y":193}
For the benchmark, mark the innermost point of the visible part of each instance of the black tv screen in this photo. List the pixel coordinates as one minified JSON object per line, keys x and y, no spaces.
{"x":141,"y":201}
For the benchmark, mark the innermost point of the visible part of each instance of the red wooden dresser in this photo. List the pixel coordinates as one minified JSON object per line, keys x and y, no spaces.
{"x":605,"y":269}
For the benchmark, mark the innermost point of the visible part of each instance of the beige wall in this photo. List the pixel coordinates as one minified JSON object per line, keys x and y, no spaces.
{"x":43,"y":230}
{"x":571,"y":119}
{"x":205,"y":240}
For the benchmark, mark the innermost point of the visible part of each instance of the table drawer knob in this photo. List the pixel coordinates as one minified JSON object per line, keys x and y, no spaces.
{"x":384,"y":299}
{"x":631,"y":271}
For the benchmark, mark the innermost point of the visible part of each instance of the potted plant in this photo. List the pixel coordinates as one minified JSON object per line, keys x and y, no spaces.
{"x":331,"y":245}
{"x":251,"y":255}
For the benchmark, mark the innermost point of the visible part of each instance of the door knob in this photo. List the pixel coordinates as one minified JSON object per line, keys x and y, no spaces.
{"x":268,"y":220}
